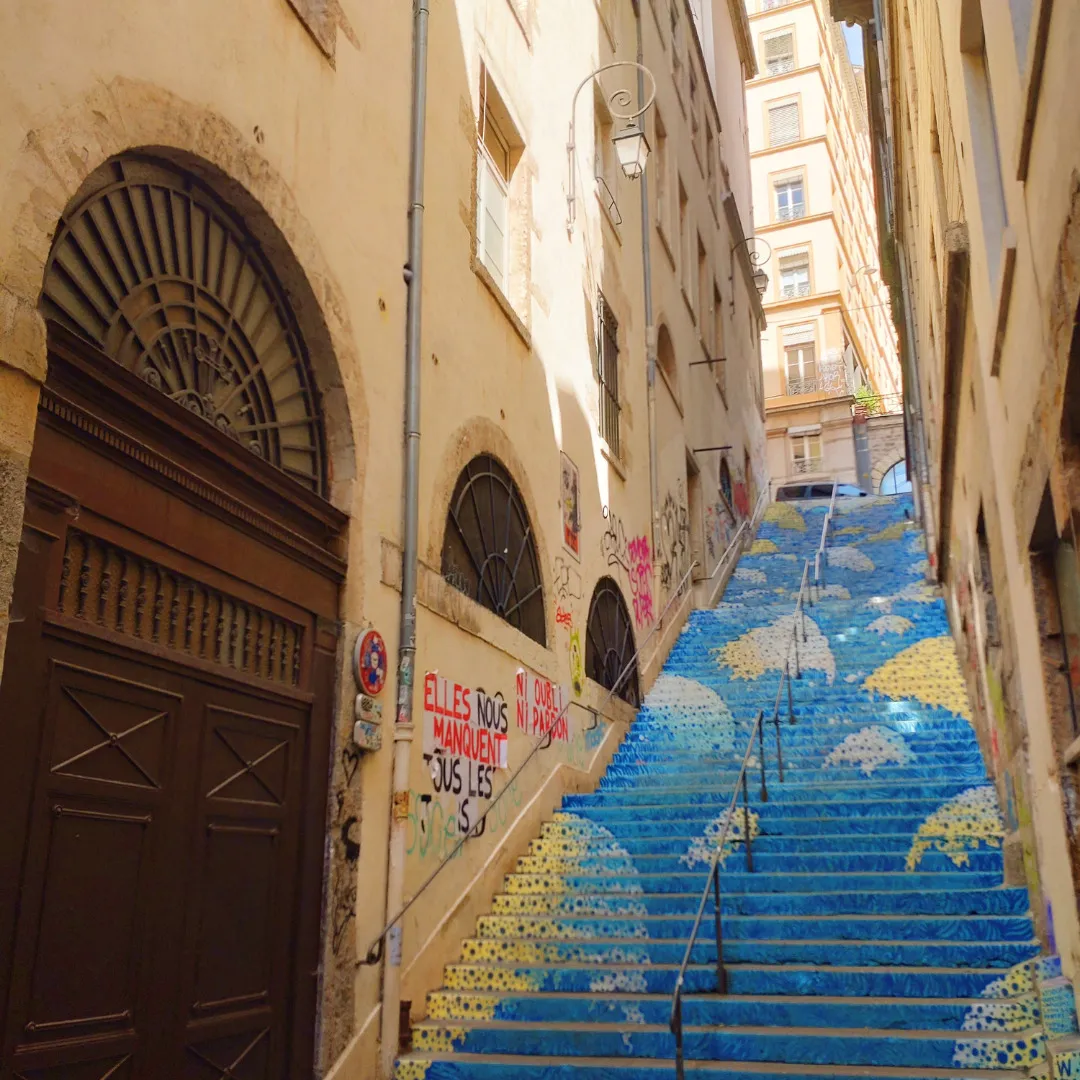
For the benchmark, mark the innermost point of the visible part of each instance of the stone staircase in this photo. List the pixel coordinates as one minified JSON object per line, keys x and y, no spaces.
{"x":874,"y":936}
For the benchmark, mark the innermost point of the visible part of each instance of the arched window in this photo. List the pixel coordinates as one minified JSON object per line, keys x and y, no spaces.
{"x":725,"y":484}
{"x":665,"y":356}
{"x":153,"y":269}
{"x":489,"y":552}
{"x":609,"y":642}
{"x":895,"y":481}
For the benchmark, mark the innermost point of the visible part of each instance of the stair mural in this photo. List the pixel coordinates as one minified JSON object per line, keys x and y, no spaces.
{"x":874,"y":936}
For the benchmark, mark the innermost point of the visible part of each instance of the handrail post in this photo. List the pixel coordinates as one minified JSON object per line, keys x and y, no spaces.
{"x":790,"y":704}
{"x":761,"y":752}
{"x":746,"y":826}
{"x":779,"y":751}
{"x":798,"y":669}
{"x":676,"y":1030}
{"x":721,"y":975}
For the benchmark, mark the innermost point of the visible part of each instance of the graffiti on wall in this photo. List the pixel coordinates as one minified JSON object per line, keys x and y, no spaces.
{"x":577,"y":663}
{"x":568,"y":596}
{"x":741,"y":498}
{"x":571,"y":507}
{"x":674,"y":539}
{"x":465,"y":741}
{"x":542,"y":707}
{"x":641,"y":580}
{"x":634,"y":558}
{"x":432,"y":827}
{"x":718,"y":530}
{"x":344,"y":831}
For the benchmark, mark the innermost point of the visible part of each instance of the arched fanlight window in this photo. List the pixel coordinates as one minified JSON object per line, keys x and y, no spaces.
{"x":895,"y":481}
{"x":609,"y":642}
{"x":158,"y":273}
{"x":489,"y":551}
{"x":725,"y":482}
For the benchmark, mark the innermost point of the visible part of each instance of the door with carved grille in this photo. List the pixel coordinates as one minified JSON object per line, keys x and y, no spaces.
{"x":164,"y":742}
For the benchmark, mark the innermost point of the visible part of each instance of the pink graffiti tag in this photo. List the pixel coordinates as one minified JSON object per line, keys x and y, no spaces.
{"x":641,"y":580}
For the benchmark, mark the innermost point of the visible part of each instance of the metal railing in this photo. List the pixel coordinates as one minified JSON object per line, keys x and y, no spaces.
{"x":374,"y":951}
{"x":820,"y":560}
{"x":712,"y":882}
{"x":750,"y":524}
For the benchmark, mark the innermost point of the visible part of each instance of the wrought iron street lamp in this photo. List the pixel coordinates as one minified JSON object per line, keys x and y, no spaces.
{"x":631,"y":145}
{"x":758,"y":251}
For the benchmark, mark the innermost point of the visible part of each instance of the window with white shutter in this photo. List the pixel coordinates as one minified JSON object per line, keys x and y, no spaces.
{"x":784,"y":123}
{"x":800,"y":359}
{"x":498,"y":147}
{"x":779,"y":53}
{"x":795,"y":275}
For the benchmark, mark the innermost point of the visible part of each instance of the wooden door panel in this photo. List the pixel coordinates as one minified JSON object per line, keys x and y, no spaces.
{"x":84,"y":938}
{"x":107,"y":1066}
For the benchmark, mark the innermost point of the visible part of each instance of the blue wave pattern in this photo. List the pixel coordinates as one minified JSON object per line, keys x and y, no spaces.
{"x":874,"y":931}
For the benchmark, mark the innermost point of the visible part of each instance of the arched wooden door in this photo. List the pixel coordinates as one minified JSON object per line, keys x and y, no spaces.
{"x":166,"y":700}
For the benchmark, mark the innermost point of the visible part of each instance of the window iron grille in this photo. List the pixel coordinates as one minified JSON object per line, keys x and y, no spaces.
{"x":607,"y":373}
{"x":609,"y":642}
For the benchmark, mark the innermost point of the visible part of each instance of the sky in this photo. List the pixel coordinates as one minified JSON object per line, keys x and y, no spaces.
{"x":853,"y":36}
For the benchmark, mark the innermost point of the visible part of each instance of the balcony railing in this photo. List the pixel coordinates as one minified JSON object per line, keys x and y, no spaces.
{"x":808,"y":465}
{"x":794,"y":290}
{"x":829,"y":379}
{"x":770,"y":5}
{"x":791,"y":213}
{"x":780,"y":66}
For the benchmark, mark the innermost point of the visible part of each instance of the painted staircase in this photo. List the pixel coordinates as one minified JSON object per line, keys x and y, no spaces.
{"x":874,"y":936}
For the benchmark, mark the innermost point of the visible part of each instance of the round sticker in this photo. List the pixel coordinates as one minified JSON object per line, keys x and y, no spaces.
{"x":369,"y":662}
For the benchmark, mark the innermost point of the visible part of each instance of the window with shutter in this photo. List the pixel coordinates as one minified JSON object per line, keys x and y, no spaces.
{"x":784,"y":123}
{"x":799,"y":356}
{"x":795,"y":275}
{"x":780,"y":53}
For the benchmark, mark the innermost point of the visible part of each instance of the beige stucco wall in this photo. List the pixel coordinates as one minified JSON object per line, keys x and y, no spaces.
{"x":987,"y":207}
{"x":314,"y":154}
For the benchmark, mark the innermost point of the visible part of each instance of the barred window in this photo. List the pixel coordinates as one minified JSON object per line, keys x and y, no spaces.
{"x":607,"y":372}
{"x":609,"y":643}
{"x":489,"y":551}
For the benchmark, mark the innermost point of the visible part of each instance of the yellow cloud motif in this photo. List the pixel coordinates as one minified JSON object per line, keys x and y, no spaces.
{"x":765,"y":647}
{"x":891,"y":532}
{"x":959,"y":827}
{"x":438,"y":1040}
{"x":411,"y":1070}
{"x":850,"y":530}
{"x":763,"y":547}
{"x":926,"y":671}
{"x":444,"y":1005}
{"x":785,"y":516}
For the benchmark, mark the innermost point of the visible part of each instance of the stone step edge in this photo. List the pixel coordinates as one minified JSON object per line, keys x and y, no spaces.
{"x":765,"y":1069}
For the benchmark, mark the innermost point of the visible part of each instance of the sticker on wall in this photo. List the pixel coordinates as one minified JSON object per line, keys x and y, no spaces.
{"x":369,"y":662}
{"x":571,"y":508}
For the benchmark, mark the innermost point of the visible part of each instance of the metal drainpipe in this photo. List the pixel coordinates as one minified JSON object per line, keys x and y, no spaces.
{"x":403,"y":725}
{"x":650,"y":330}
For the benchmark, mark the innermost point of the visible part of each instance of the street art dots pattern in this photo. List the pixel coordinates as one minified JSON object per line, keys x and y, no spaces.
{"x":763,"y":547}
{"x":411,"y":1070}
{"x":703,"y":848}
{"x":926,"y":671}
{"x":1001,"y":1053}
{"x":832,"y":592}
{"x":771,"y":647}
{"x":743,"y":573}
{"x":1004,"y":1014}
{"x":1020,"y":979}
{"x":891,"y":624}
{"x":433,"y":1040}
{"x":849,"y":558}
{"x":626,"y":982}
{"x":920,"y":567}
{"x":917,"y":592}
{"x":688,"y":712}
{"x":871,"y":748}
{"x":444,"y":1006}
{"x":558,"y":929}
{"x":501,"y":980}
{"x":785,"y":516}
{"x":963,"y":824}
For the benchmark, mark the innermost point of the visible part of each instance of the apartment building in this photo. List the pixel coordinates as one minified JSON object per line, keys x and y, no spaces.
{"x":830,"y":333}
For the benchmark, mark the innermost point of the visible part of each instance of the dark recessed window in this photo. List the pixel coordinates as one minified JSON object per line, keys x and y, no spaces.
{"x":609,"y":643}
{"x":489,"y":552}
{"x":725,"y":484}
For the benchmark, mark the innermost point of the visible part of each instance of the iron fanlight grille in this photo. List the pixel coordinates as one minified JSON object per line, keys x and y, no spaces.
{"x":489,"y":551}
{"x":156,"y":272}
{"x":609,"y":642}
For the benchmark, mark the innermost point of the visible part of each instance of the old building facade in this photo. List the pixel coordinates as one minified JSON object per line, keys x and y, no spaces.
{"x":203,"y":221}
{"x":829,"y":331}
{"x":978,"y":158}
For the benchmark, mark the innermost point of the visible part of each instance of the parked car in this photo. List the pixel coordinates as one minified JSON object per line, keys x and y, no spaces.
{"x":791,"y":492}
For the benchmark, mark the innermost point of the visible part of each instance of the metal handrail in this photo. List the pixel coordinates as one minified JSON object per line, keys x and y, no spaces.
{"x":747,"y":523}
{"x":374,"y":952}
{"x":713,"y":880}
{"x":819,"y":557}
